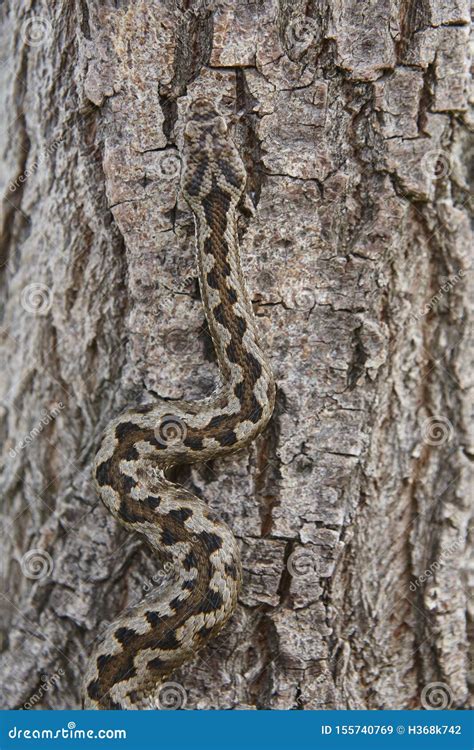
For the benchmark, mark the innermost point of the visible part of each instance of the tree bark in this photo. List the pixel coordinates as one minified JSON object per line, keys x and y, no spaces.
{"x":353,"y":508}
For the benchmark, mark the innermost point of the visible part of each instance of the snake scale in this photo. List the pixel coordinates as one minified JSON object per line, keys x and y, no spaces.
{"x":140,"y":650}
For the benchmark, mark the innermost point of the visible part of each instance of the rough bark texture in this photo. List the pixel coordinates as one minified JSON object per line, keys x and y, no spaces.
{"x":353,"y":508}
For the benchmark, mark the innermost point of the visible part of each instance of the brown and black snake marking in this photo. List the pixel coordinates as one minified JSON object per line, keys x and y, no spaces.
{"x":139,"y":651}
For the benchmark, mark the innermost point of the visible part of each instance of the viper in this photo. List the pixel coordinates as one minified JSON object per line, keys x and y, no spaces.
{"x":142,"y":648}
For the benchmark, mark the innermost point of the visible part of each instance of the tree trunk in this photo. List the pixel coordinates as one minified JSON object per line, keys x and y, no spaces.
{"x":353,"y":507}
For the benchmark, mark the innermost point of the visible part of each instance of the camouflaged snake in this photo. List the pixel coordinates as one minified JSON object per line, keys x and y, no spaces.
{"x":146,"y":643}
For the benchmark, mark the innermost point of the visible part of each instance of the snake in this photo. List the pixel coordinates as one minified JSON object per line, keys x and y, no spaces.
{"x":137,"y":653}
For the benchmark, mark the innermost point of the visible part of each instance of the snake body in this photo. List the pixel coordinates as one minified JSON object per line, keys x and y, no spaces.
{"x":147,"y":642}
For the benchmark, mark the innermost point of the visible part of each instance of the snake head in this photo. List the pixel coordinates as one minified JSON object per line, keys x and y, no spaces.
{"x":211,"y":160}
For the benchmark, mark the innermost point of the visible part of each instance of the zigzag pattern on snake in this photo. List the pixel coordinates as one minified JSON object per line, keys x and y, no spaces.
{"x":141,"y":649}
